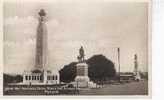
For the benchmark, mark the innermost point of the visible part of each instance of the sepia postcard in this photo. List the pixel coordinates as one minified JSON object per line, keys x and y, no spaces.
{"x":76,"y":48}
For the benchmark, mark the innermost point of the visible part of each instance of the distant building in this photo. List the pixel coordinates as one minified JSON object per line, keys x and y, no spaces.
{"x":127,"y":76}
{"x":40,"y":75}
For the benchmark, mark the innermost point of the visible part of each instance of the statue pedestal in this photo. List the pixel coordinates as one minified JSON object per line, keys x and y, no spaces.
{"x":82,"y":78}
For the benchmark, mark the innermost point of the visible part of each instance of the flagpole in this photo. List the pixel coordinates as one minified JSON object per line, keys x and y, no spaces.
{"x":118,"y":50}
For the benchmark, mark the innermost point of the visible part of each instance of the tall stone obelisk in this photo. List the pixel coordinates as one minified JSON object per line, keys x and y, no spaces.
{"x":40,"y":75}
{"x":41,"y":42}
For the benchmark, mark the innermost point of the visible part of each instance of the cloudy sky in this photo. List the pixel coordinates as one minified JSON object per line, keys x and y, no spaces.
{"x":100,"y":27}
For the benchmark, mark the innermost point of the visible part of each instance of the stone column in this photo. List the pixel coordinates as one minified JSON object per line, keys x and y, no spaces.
{"x":41,"y":42}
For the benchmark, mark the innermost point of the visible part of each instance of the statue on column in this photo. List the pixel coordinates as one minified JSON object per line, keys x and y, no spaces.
{"x":135,"y":64}
{"x":81,"y":55}
{"x":136,"y":72}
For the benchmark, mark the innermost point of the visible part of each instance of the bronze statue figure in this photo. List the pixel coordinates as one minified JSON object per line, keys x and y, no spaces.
{"x":81,"y":55}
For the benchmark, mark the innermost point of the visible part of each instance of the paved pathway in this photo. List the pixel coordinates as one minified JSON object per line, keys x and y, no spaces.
{"x":132,"y":88}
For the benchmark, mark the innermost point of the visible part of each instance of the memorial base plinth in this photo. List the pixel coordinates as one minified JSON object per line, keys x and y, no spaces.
{"x":82,"y":81}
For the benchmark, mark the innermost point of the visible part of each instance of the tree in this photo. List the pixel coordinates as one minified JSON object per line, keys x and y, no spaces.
{"x":7,"y":78}
{"x":68,"y":73}
{"x":100,"y":68}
